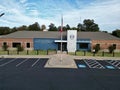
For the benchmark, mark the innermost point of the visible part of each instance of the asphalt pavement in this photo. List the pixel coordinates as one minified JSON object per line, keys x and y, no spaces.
{"x":30,"y":74}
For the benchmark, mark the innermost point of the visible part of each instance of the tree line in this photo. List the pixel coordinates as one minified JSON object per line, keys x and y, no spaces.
{"x":87,"y":25}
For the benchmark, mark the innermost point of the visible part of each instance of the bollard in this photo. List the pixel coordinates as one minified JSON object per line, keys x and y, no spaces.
{"x":103,"y":53}
{"x":67,"y":51}
{"x":37,"y":52}
{"x":93,"y":53}
{"x":113,"y":54}
{"x":27,"y":52}
{"x":84,"y":53}
{"x":47,"y":52}
{"x":75,"y":53}
{"x":17,"y":52}
{"x":8,"y":52}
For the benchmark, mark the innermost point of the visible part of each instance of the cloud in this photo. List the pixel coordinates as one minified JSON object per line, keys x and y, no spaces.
{"x":106,"y":13}
{"x":23,"y":1}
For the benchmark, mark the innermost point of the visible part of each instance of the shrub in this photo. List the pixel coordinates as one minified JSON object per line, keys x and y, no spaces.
{"x":111,"y":48}
{"x":20,"y":48}
{"x":97,"y":48}
{"x":5,"y":47}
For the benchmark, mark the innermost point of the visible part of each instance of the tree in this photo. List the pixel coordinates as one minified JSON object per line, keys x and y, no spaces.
{"x":52,"y":27}
{"x":4,"y":30}
{"x":79,"y":27}
{"x":116,"y":33}
{"x":105,"y":31}
{"x":22,"y":28}
{"x":89,"y":25}
{"x":13,"y":29}
{"x":43,"y":27}
{"x":63,"y":29}
{"x":67,"y":27}
{"x":73,"y":28}
{"x":34,"y":27}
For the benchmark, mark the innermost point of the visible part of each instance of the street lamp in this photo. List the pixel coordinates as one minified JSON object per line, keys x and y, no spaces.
{"x":2,"y":14}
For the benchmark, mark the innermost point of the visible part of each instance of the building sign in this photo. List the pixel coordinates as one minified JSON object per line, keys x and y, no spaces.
{"x":71,"y":40}
{"x":72,"y":36}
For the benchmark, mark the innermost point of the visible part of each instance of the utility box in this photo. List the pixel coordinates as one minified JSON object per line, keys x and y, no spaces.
{"x":71,"y":40}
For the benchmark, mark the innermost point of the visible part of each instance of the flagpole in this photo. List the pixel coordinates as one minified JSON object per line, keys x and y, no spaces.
{"x":61,"y":33}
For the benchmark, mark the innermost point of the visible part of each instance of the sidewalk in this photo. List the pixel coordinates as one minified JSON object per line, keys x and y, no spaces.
{"x":24,"y":56}
{"x":61,"y":61}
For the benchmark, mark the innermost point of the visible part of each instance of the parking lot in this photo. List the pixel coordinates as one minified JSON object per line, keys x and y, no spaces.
{"x":30,"y":74}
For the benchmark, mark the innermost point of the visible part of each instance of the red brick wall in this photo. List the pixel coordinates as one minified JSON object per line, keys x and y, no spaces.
{"x":104,"y":44}
{"x":23,"y":41}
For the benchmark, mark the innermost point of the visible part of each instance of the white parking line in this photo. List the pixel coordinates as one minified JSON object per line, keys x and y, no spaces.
{"x":87,"y":63}
{"x":21,"y":62}
{"x":117,"y":64}
{"x":8,"y":62}
{"x":111,"y":61}
{"x":93,"y":64}
{"x":35,"y":62}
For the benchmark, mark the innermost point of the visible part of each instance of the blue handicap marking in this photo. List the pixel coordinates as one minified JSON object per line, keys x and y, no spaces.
{"x":110,"y":67}
{"x":81,"y":66}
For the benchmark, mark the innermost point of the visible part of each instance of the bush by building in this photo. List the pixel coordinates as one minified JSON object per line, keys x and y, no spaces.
{"x":5,"y":47}
{"x":96,"y":48}
{"x":20,"y":48}
{"x":112,"y":48}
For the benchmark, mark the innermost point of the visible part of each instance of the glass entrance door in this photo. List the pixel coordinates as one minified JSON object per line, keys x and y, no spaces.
{"x":64,"y":46}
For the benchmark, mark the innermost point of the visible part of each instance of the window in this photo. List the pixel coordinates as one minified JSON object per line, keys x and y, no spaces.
{"x":83,"y":45}
{"x":14,"y":45}
{"x":28,"y":45}
{"x":4,"y":43}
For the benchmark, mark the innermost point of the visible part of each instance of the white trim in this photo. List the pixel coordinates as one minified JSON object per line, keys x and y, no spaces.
{"x":83,"y":41}
{"x":60,"y":41}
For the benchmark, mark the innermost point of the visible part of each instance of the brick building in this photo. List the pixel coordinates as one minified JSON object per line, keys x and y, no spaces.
{"x":39,"y":40}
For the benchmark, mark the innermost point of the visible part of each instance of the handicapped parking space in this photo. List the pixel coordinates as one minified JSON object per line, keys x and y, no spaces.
{"x":106,"y":65}
{"x":81,"y":64}
{"x":115,"y":63}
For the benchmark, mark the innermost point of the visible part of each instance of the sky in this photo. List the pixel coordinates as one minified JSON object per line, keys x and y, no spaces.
{"x":105,"y":13}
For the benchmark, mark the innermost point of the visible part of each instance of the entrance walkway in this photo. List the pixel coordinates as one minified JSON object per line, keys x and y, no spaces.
{"x":61,"y":61}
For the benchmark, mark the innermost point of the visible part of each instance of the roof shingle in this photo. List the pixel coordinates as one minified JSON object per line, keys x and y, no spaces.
{"x":52,"y":34}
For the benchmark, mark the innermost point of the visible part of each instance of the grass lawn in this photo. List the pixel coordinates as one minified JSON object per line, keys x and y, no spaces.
{"x":100,"y":54}
{"x":44,"y":52}
{"x":25,"y":52}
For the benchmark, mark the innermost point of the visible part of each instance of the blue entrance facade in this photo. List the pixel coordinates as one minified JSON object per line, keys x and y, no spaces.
{"x":49,"y":43}
{"x":44,"y":44}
